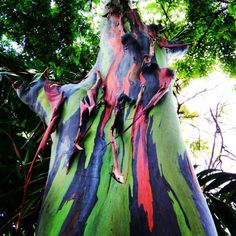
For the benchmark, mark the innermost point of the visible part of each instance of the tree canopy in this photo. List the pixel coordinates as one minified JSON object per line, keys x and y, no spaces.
{"x":61,"y":34}
{"x":54,"y":34}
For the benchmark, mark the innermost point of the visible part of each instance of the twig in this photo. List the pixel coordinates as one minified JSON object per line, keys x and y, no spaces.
{"x":179,"y":104}
{"x":182,"y":33}
{"x":165,"y":13}
{"x":195,"y":95}
{"x":33,"y":134}
{"x":223,"y":148}
{"x":13,"y":145}
{"x":214,"y":117}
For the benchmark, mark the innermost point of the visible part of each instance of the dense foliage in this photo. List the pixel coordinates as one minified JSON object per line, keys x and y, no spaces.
{"x":53,"y":34}
{"x":61,"y":35}
{"x":209,"y":25}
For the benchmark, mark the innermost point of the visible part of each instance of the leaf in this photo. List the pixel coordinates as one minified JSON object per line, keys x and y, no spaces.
{"x":232,"y":9}
{"x":203,"y":173}
{"x":211,"y":177}
{"x":218,"y":224}
{"x":229,"y":187}
{"x":225,"y":213}
{"x":151,"y":6}
{"x":220,"y":179}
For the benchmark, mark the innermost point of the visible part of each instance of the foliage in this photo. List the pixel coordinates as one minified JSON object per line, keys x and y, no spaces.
{"x":219,"y":189}
{"x":44,"y":34}
{"x":19,"y":139}
{"x":60,"y":34}
{"x":209,"y":25}
{"x":197,"y":146}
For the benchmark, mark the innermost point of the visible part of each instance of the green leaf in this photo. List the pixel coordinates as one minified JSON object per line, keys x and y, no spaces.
{"x":203,"y":173}
{"x":232,"y":9}
{"x":151,"y":6}
{"x":220,"y":179}
{"x":229,"y":187}
{"x":222,"y":176}
{"x":225,"y":213}
{"x":218,"y":224}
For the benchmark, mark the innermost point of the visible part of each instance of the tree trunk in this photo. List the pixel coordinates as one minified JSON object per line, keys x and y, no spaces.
{"x":118,"y":163}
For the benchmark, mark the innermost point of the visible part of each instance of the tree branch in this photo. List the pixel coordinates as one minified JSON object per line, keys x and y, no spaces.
{"x":217,"y":131}
{"x":165,"y":13}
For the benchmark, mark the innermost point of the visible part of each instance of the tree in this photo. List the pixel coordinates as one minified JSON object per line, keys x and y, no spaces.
{"x":117,"y":115}
{"x":103,"y":74}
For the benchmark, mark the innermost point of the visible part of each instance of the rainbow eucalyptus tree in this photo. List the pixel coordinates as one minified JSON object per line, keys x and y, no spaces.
{"x":118,"y":162}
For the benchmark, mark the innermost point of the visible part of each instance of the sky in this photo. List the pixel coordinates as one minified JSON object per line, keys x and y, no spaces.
{"x":219,"y":89}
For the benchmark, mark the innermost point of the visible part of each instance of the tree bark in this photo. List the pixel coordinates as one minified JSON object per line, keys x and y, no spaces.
{"x":118,"y":163}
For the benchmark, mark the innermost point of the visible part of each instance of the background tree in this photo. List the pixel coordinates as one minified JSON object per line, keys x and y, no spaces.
{"x":49,"y":36}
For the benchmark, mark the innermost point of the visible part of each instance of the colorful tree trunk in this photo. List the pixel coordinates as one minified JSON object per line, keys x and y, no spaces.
{"x":118,"y":162}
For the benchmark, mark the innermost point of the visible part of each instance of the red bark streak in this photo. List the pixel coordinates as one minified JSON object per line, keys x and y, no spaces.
{"x":51,"y":127}
{"x":142,"y":80}
{"x":106,"y":117}
{"x":111,"y":82}
{"x":145,"y":197}
{"x":55,"y":97}
{"x":126,"y":84}
{"x":56,"y":100}
{"x":164,"y":78}
{"x":139,"y":145}
{"x":113,"y":88}
{"x":144,"y":187}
